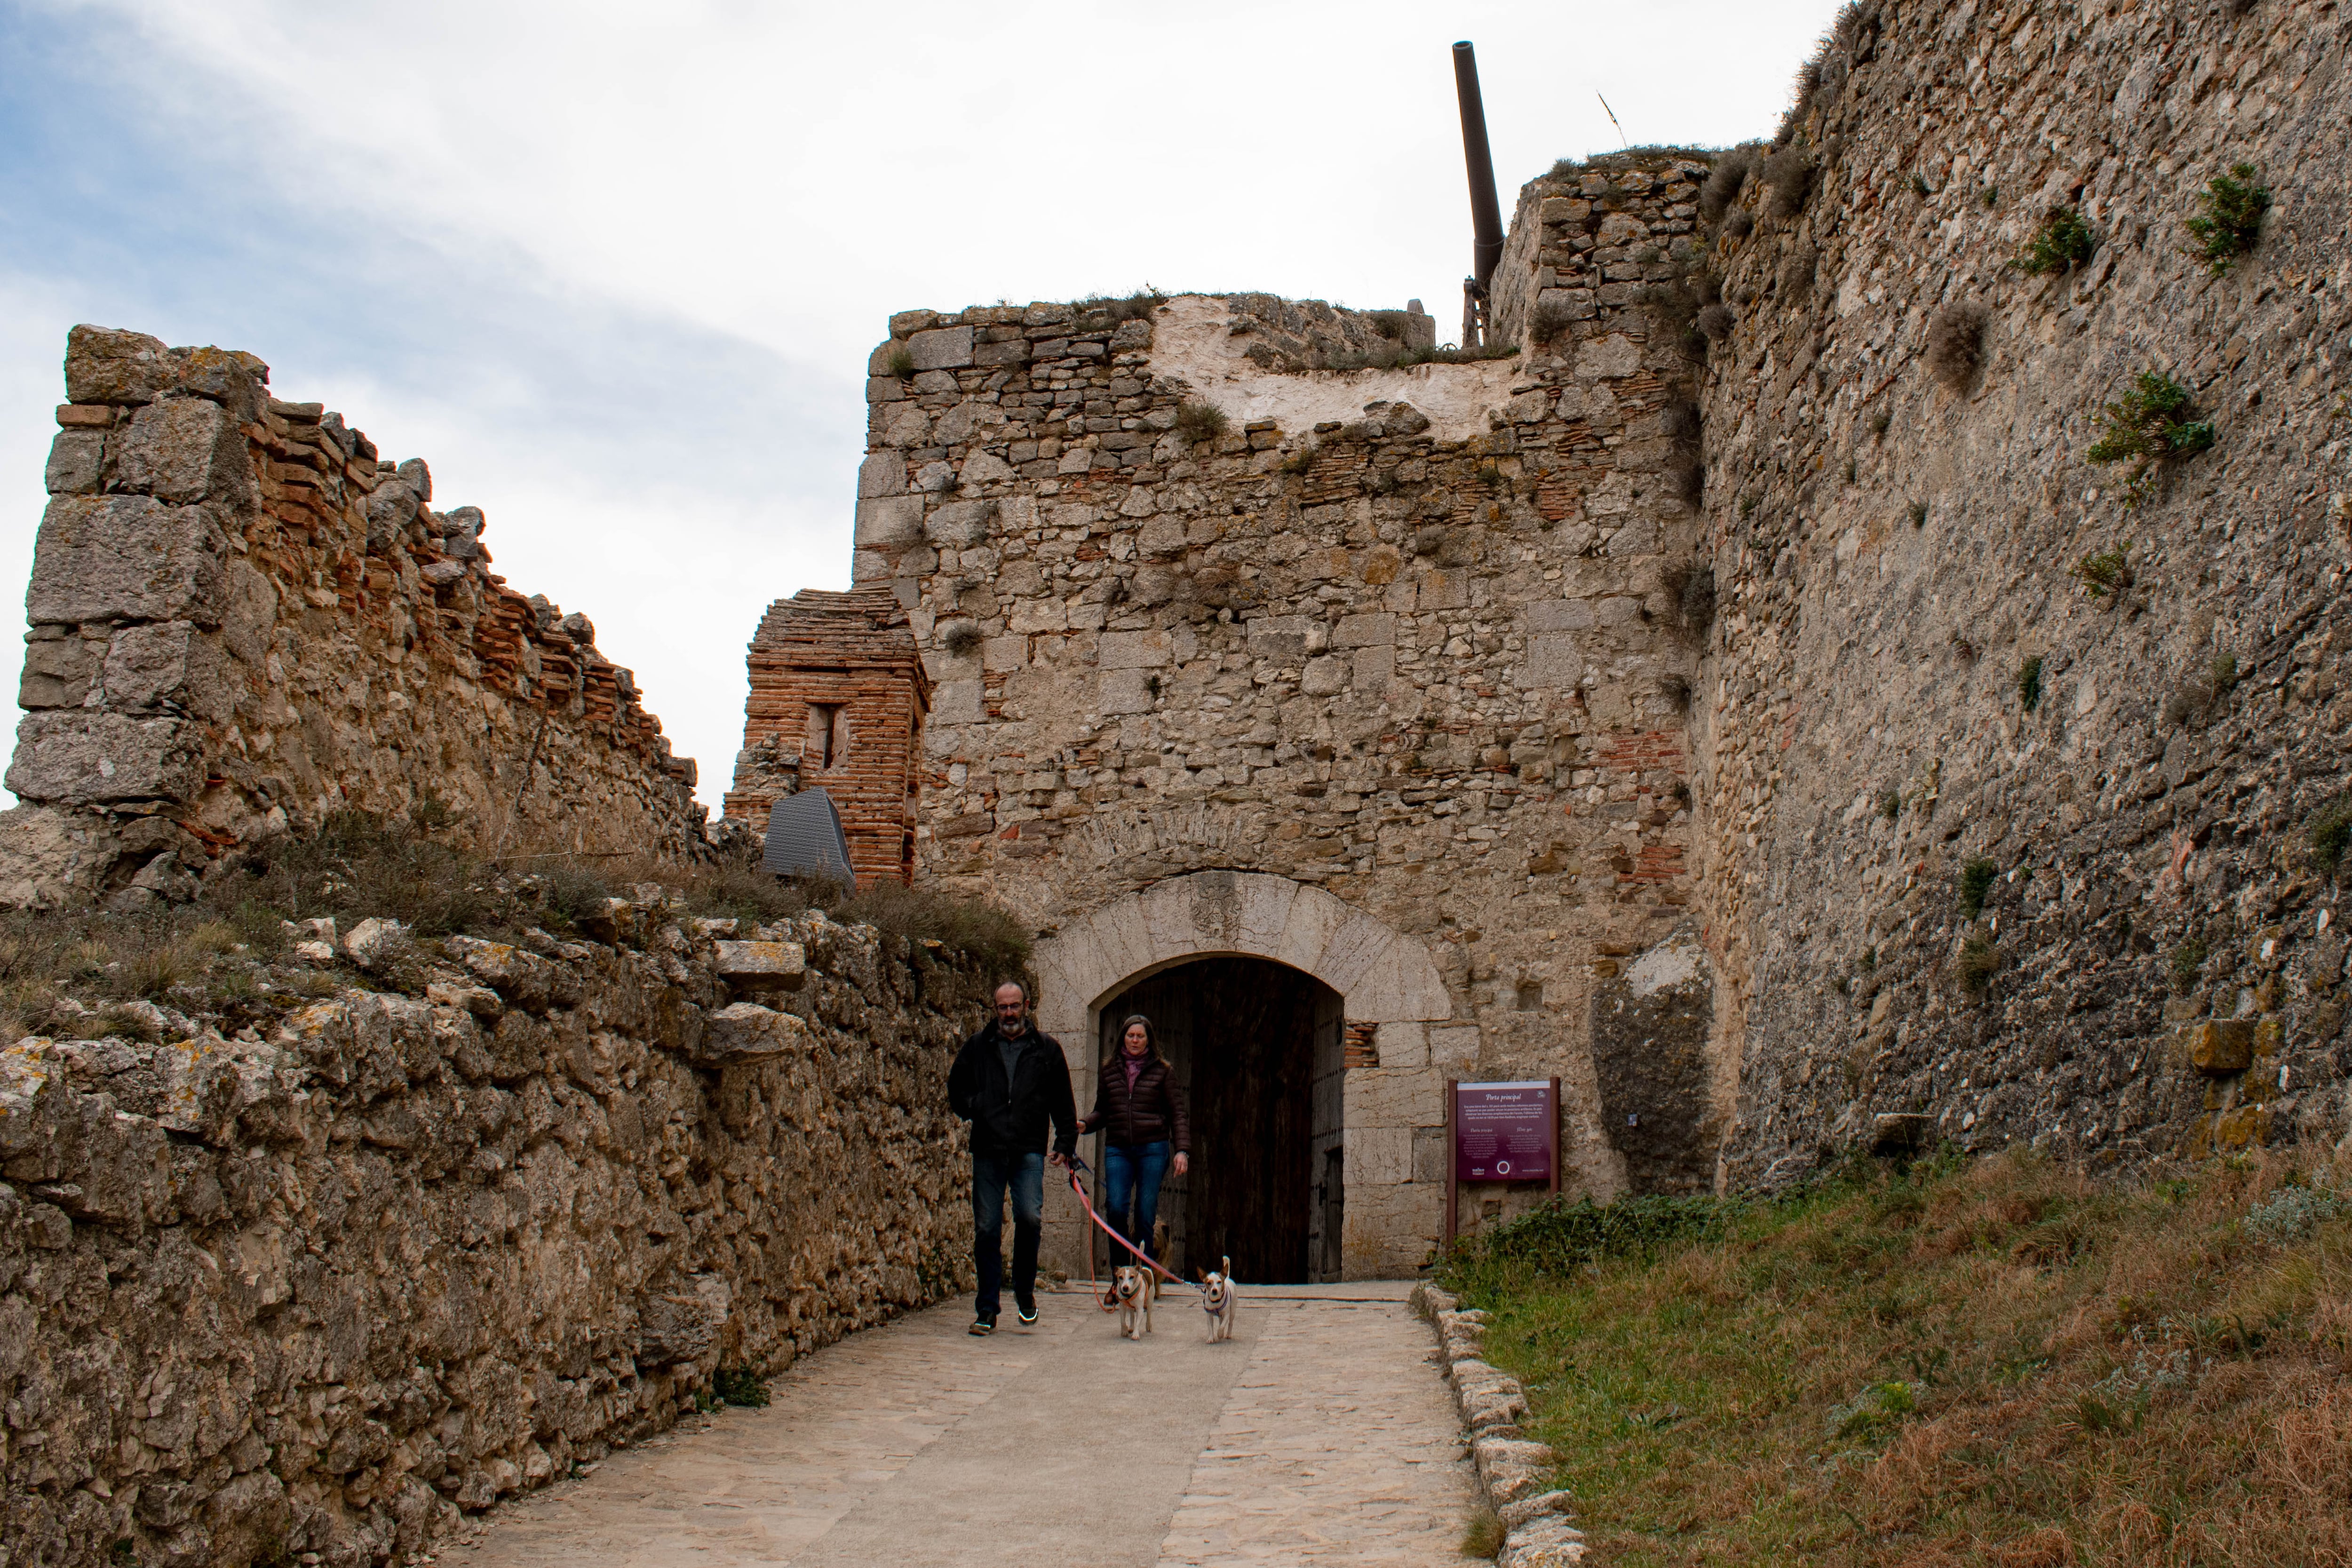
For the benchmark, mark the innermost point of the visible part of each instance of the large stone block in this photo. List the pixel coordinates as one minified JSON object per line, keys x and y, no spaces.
{"x":2219,"y":1047}
{"x":882,"y":474}
{"x":1377,"y":1156}
{"x":127,"y":558}
{"x":1554,"y":660}
{"x":890,"y":522}
{"x":1395,"y":1097}
{"x":85,"y":757}
{"x":167,"y":664}
{"x":1607,"y":357}
{"x":961,"y":524}
{"x":1133,"y":650}
{"x":745,"y":1031}
{"x":943,"y":348}
{"x":105,"y":364}
{"x":182,"y":449}
{"x":76,"y":464}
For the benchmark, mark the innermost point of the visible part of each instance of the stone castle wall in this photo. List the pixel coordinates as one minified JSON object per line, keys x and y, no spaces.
{"x":243,"y":618}
{"x":326,"y":1292}
{"x":1403,"y":638}
{"x":1894,"y":547}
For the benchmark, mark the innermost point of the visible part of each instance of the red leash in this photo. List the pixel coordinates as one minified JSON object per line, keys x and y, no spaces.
{"x":1078,"y":1187}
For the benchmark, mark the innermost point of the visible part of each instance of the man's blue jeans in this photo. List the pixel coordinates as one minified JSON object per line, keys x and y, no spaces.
{"x":1132,"y":1177}
{"x":991,"y":1174}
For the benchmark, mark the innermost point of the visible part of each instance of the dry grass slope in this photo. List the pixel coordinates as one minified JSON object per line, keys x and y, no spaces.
{"x":224,"y":958}
{"x":2003,"y":1365}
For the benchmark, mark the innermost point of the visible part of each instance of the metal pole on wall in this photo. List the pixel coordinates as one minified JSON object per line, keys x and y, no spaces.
{"x":1452,"y":1186}
{"x":1551,"y":1134}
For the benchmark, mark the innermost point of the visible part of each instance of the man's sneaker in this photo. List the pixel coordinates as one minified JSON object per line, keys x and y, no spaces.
{"x":1027,"y":1310}
{"x":983,"y":1324}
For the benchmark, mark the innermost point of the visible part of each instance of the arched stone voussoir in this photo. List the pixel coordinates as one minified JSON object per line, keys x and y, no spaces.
{"x":1382,"y":974}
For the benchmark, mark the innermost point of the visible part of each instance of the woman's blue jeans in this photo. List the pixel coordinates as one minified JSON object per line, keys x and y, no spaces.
{"x":1131,"y":1178}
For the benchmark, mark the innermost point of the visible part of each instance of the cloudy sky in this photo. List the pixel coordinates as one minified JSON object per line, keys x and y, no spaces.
{"x":613,"y":268}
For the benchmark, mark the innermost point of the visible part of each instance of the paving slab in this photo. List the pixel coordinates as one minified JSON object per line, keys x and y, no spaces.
{"x":1320,"y":1433}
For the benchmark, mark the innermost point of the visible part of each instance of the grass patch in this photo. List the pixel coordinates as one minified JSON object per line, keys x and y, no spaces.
{"x":1482,"y":1535}
{"x":1997,"y":1362}
{"x":2029,"y":683}
{"x":740,"y":1385}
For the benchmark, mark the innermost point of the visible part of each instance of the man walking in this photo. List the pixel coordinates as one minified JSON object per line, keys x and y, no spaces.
{"x":1009,"y":1081}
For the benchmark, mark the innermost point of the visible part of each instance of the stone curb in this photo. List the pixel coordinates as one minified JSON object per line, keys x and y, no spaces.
{"x":1536,"y":1528}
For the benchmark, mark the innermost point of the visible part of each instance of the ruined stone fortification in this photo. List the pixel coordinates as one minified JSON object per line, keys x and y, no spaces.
{"x":322,"y":1293}
{"x":244,"y":619}
{"x":1381,"y":681}
{"x":1546,"y":708}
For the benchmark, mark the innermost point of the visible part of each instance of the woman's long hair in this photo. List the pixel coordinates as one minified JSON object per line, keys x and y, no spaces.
{"x":1119,"y":1044}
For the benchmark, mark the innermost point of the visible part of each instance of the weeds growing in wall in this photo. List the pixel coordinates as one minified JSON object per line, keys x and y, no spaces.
{"x":1980,"y":960}
{"x":961,"y":640}
{"x":2188,"y":958}
{"x":1790,"y":170}
{"x":2331,"y":835}
{"x":2063,"y":242}
{"x":1955,"y":350}
{"x":2229,"y":222}
{"x":1199,"y":421}
{"x":2108,"y":572}
{"x":1975,"y":880}
{"x":2152,"y":421}
{"x":1690,"y":599}
{"x":1723,"y":184}
{"x":1135,"y":307}
{"x":2029,"y":683}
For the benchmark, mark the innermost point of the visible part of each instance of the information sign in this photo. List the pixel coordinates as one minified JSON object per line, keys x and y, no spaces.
{"x":1504,"y":1132}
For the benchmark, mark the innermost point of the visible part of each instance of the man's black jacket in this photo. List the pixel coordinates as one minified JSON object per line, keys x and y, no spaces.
{"x":1011,"y":1118}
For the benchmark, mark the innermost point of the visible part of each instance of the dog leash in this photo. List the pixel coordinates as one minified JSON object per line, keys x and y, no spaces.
{"x":1078,"y":1166}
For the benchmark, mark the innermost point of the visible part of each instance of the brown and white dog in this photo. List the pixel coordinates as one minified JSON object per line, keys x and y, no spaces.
{"x":1133,"y":1293}
{"x":1219,"y":1296}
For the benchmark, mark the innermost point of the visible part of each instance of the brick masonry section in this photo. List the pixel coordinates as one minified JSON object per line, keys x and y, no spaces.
{"x":837,"y":700}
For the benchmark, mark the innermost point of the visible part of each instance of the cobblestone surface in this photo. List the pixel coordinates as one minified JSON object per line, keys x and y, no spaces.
{"x":1320,"y":1434}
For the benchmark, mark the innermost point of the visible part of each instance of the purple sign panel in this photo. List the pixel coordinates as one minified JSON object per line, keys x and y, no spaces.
{"x":1502,"y":1131}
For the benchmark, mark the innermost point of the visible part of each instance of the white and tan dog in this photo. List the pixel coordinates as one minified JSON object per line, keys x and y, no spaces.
{"x":1219,"y":1296}
{"x":1133,"y":1293}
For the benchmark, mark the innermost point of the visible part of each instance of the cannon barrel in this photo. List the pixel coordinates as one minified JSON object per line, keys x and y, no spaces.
{"x":1486,"y":217}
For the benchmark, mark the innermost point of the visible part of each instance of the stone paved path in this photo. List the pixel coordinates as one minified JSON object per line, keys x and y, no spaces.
{"x":1322,"y":1434}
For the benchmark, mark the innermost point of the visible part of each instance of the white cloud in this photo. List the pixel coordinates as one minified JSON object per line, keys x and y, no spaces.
{"x":639,"y":251}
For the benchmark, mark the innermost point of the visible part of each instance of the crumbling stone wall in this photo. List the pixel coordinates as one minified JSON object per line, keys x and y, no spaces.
{"x":328,"y":1291}
{"x":243,"y":618}
{"x":1899,"y":533}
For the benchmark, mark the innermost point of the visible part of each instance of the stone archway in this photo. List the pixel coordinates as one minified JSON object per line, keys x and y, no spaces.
{"x":1400,"y":1040}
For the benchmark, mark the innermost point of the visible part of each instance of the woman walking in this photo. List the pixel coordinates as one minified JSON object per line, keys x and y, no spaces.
{"x":1140,"y":1111}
